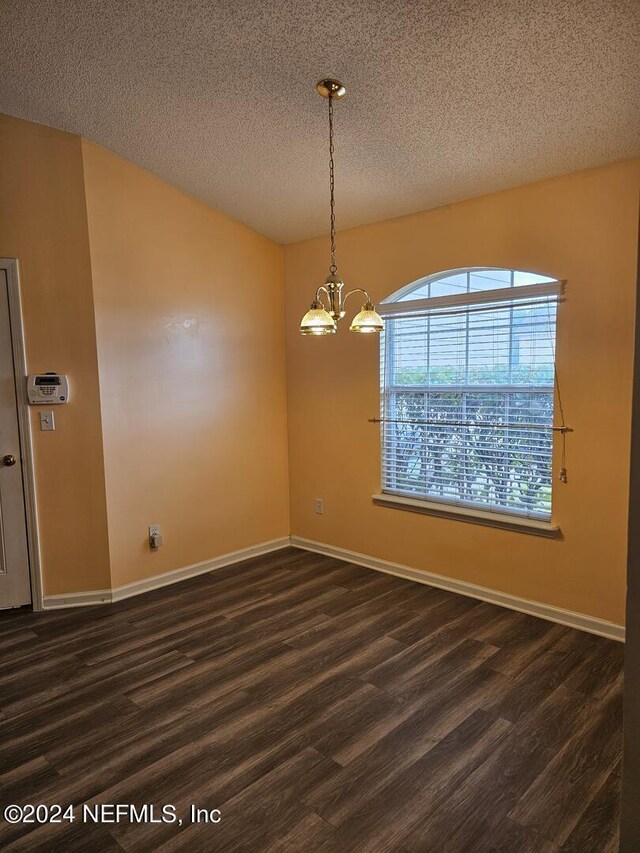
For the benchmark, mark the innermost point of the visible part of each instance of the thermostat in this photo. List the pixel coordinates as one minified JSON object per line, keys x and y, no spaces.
{"x":50,"y":388}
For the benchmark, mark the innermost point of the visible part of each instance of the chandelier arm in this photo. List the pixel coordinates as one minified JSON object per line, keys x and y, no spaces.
{"x":355,"y":290}
{"x":322,"y":287}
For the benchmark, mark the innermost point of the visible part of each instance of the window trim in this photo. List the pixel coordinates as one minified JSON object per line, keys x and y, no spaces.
{"x":391,"y":308}
{"x":456,"y":512}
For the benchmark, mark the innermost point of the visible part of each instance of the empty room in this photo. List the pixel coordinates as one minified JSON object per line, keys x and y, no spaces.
{"x":319,"y":426}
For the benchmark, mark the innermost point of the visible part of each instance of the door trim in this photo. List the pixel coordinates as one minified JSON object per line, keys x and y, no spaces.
{"x":11,"y":268}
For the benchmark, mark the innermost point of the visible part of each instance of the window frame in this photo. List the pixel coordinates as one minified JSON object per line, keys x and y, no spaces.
{"x":396,"y":306}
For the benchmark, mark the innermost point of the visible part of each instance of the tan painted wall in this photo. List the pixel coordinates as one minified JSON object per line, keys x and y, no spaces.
{"x":189,"y":300}
{"x":43,"y":224}
{"x":190,"y":326}
{"x":582,"y":227}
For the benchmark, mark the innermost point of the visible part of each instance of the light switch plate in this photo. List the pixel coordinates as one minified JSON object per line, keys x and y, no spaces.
{"x":47,"y":421}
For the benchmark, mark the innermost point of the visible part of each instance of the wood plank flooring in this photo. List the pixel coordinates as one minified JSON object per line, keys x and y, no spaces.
{"x":321,"y":707}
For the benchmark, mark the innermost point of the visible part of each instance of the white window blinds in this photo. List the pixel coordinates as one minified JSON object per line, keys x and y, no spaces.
{"x":468,"y":397}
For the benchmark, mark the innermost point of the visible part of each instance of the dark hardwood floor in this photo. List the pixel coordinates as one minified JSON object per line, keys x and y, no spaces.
{"x":321,"y":707}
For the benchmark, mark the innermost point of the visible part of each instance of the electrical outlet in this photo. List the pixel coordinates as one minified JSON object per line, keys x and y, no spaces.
{"x":155,"y":537}
{"x":320,"y":506}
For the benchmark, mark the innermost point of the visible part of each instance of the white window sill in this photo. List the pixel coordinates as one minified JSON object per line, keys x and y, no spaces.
{"x":516,"y":523}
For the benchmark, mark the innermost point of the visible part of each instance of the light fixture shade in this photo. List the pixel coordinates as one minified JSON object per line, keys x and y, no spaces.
{"x":317,"y":321}
{"x":367,"y":321}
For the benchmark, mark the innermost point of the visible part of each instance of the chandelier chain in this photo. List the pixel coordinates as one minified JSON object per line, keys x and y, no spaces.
{"x":333,"y":268}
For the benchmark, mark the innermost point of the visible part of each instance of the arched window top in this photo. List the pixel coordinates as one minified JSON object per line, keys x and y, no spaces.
{"x":468,"y":280}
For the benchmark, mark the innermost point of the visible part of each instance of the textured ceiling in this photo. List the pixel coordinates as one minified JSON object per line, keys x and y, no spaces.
{"x":445,"y":100}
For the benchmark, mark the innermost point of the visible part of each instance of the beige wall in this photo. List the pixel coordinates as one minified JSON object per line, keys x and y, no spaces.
{"x":43,"y":224}
{"x":581,"y":227}
{"x":190,"y":406}
{"x":188,"y":400}
{"x":190,"y":329}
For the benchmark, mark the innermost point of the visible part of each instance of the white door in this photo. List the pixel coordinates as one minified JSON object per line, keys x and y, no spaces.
{"x":15,"y":587}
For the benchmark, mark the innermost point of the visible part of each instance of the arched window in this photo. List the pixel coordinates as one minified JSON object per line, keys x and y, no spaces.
{"x":467,"y":370}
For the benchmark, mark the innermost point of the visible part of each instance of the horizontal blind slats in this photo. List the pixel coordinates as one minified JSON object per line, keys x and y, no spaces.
{"x":467,"y":404}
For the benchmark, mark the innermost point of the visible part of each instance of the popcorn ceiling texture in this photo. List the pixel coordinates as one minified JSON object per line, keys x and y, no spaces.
{"x":445,"y":100}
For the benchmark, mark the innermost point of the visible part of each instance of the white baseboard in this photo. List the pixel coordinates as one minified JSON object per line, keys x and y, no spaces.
{"x":107,"y":596}
{"x":77,"y":599}
{"x":534,"y":608}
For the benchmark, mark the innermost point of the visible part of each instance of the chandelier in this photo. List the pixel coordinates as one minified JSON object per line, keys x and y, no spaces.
{"x":322,"y":317}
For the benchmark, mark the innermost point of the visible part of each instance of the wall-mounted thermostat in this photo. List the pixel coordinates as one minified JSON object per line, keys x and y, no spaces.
{"x":49,"y":388}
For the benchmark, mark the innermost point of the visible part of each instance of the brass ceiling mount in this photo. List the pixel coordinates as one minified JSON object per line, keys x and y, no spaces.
{"x":331,"y":88}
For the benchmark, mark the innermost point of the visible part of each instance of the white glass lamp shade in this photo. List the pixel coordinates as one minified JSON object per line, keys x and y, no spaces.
{"x":367,"y":321}
{"x":317,"y":321}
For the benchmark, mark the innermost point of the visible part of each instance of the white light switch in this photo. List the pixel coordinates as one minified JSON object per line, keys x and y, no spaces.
{"x":47,"y":421}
